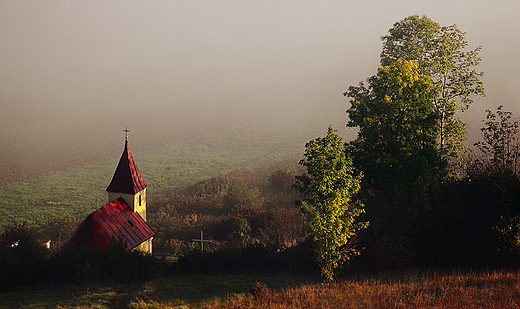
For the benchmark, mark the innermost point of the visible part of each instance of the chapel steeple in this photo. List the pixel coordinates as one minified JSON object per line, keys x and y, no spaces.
{"x":127,"y":182}
{"x":127,"y":178}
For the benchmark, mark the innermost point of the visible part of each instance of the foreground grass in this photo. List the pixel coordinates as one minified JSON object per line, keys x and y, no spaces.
{"x":497,"y":289}
{"x":192,"y":291}
{"x":486,"y":290}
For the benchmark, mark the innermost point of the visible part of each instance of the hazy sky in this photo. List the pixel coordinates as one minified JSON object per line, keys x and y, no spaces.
{"x":70,"y":66}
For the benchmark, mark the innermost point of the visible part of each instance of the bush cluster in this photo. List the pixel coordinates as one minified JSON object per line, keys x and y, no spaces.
{"x":296,"y":259}
{"x":29,"y":263}
{"x":472,"y":222}
{"x":23,"y":258}
{"x":25,"y":261}
{"x":113,"y":264}
{"x":236,"y":210}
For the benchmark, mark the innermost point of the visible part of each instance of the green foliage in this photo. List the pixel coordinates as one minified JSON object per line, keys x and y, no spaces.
{"x":501,"y":145}
{"x":240,"y":194}
{"x":409,"y":147}
{"x":397,"y":151}
{"x":396,"y":147}
{"x":397,"y":124}
{"x":326,"y":189}
{"x":440,"y":54}
{"x":475,"y":219}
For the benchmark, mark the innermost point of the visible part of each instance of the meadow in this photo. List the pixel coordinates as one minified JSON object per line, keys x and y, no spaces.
{"x":166,"y":163}
{"x":405,"y":289}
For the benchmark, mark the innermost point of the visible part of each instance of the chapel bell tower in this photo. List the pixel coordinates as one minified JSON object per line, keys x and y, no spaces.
{"x":127,"y":183}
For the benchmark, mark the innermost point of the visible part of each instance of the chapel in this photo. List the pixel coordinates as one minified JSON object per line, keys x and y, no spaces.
{"x":124,"y":217}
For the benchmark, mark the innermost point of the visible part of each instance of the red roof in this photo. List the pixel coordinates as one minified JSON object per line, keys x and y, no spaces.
{"x":127,"y":178}
{"x":115,"y":220}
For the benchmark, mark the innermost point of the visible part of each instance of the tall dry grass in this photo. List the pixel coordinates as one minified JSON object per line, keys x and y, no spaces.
{"x":434,"y":290}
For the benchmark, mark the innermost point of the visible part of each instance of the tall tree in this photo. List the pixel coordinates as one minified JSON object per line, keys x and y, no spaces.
{"x":440,"y":54}
{"x":398,"y":127}
{"x":396,"y":148}
{"x":326,"y":189}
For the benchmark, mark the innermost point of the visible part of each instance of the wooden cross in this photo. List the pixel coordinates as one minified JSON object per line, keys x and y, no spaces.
{"x":126,"y":133}
{"x":202,"y":241}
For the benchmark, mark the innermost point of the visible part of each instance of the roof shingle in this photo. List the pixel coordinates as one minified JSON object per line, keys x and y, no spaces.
{"x":115,"y":220}
{"x":127,"y":178}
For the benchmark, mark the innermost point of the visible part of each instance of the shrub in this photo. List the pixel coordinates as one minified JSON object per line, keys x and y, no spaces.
{"x":23,"y":257}
{"x":259,"y":290}
{"x":59,"y":228}
{"x":113,"y":264}
{"x":238,"y":209}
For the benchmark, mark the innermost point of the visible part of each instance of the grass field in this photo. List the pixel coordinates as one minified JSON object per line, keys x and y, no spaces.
{"x":81,"y":190}
{"x":167,"y":165}
{"x":391,"y":290}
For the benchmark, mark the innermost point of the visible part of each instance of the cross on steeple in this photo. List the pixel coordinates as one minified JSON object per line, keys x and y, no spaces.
{"x":126,"y":133}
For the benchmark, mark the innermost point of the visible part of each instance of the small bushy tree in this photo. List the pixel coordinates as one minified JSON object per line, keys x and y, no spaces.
{"x":326,"y":190}
{"x":240,"y":194}
{"x":501,"y":145}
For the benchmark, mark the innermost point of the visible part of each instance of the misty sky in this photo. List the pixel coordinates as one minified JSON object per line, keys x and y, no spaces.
{"x":74,"y":66}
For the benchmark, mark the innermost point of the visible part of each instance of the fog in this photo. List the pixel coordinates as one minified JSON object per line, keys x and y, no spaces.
{"x":73,"y":74}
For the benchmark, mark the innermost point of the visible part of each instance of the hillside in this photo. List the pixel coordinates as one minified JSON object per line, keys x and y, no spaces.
{"x":167,"y":158}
